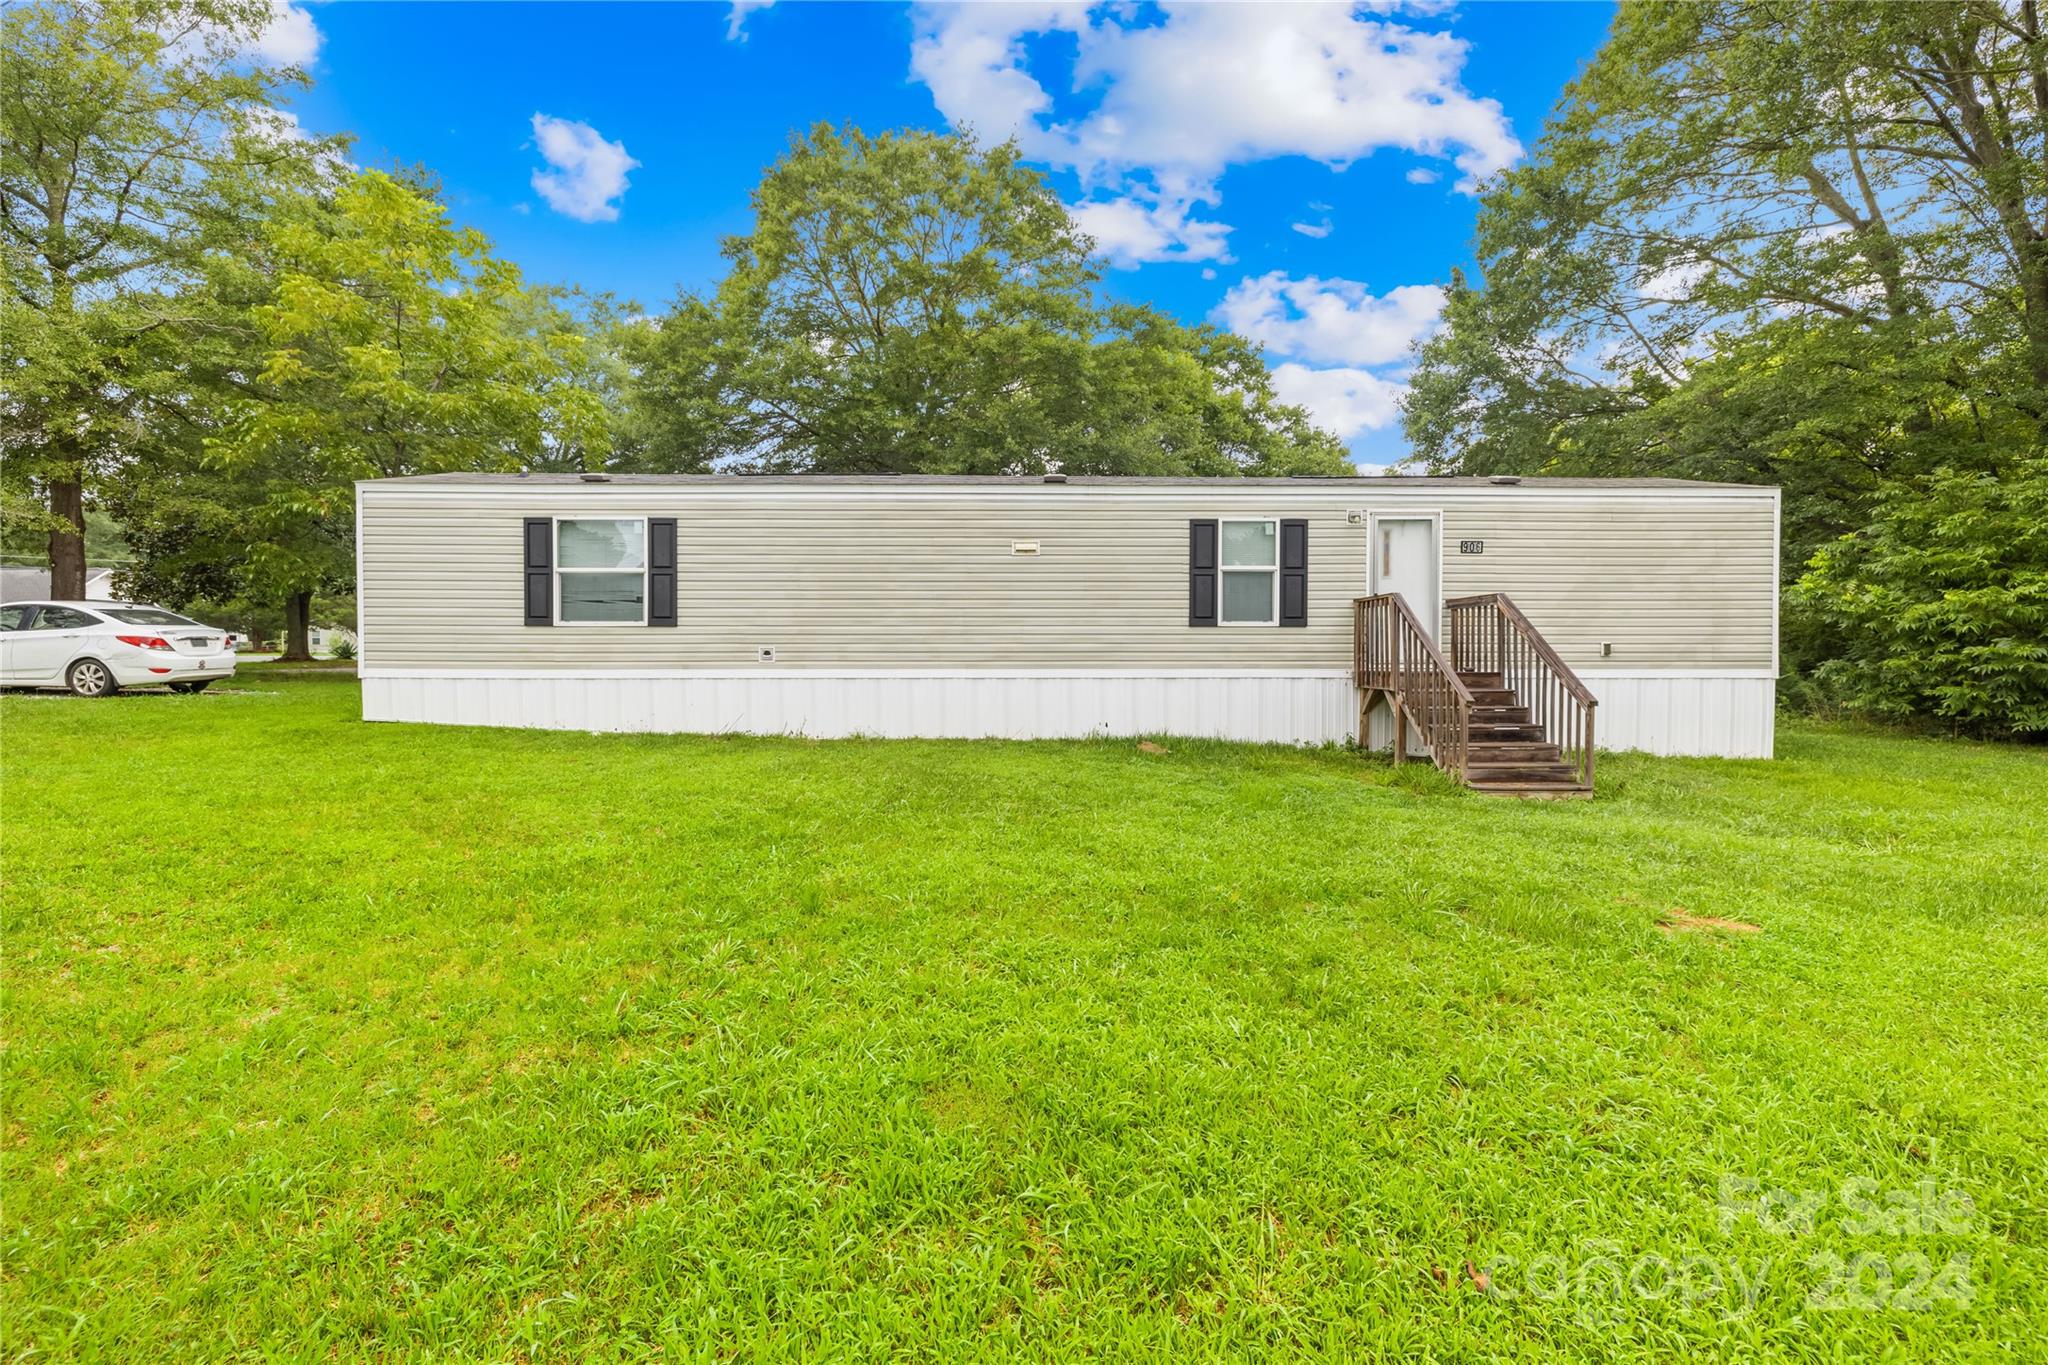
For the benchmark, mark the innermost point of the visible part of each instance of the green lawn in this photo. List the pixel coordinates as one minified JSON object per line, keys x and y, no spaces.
{"x":330,"y":1039}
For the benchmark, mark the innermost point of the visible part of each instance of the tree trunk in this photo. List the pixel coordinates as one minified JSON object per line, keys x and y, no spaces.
{"x":67,"y":490}
{"x":67,"y":547}
{"x":298,"y":644}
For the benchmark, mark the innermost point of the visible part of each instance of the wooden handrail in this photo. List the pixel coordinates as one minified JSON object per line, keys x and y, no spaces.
{"x":1542,"y":647}
{"x":1392,"y":653}
{"x":1489,"y":634}
{"x":1424,"y":640}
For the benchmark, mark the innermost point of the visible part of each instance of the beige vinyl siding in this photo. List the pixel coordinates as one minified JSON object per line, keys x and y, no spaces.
{"x":861,"y":578}
{"x":1688,"y":581}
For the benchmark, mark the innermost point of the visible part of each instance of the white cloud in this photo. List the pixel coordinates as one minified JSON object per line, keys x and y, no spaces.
{"x":291,"y":38}
{"x":1335,"y":322}
{"x":282,"y":126}
{"x":1316,"y":230}
{"x":1334,"y":335}
{"x":1344,"y":401}
{"x":736,"y":18}
{"x":1423,"y":175}
{"x":1131,"y":231}
{"x":266,"y":124}
{"x":587,"y":173}
{"x":288,"y":37}
{"x":972,"y":58}
{"x":1185,"y":93}
{"x":1675,"y":282}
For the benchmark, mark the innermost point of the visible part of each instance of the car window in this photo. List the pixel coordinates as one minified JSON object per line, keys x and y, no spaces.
{"x":63,"y":618}
{"x":149,"y":616}
{"x":11,"y":618}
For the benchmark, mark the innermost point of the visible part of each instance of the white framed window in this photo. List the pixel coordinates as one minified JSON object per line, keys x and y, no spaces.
{"x":601,"y":571}
{"x":1249,"y":562}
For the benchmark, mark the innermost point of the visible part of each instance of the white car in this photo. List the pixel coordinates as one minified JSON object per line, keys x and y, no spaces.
{"x":97,"y":648}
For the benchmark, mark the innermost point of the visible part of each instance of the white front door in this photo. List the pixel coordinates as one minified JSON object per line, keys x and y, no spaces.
{"x":1405,"y":560}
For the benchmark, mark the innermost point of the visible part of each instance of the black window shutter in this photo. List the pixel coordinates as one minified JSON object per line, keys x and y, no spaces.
{"x":1294,"y":573}
{"x":1202,"y":573}
{"x":661,"y":571}
{"x":540,"y":571}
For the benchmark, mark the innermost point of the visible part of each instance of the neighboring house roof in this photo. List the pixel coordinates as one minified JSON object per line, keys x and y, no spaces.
{"x":19,"y":583}
{"x":1075,"y":480}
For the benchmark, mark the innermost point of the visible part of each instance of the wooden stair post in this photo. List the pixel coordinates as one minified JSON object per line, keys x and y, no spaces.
{"x":1400,"y":694}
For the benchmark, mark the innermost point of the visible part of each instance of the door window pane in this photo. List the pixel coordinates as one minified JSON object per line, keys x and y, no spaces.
{"x":602,"y":544}
{"x":602,"y":596}
{"x":1248,"y":597}
{"x":63,"y":618}
{"x":1250,"y":544}
{"x":11,"y":617}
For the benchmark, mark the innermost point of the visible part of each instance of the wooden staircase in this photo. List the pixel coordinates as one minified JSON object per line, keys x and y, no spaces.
{"x":1502,"y":711}
{"x":1506,"y":752}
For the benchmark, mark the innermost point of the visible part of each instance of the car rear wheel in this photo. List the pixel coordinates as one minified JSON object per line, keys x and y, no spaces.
{"x":91,"y":678}
{"x":197,"y":685}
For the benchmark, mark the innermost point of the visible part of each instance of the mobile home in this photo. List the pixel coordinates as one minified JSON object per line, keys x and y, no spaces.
{"x":1054,"y":607}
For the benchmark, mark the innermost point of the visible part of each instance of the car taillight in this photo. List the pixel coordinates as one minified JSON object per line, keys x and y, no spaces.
{"x":227,"y":642}
{"x":144,"y":641}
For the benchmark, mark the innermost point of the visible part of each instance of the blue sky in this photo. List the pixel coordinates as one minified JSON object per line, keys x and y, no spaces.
{"x":1299,"y":173}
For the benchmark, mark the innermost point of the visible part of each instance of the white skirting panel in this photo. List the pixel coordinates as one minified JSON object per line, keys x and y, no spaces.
{"x":1716,"y":715}
{"x":1267,"y":708}
{"x":1727,"y":716}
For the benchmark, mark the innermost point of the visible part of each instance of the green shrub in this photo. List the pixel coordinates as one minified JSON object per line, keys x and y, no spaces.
{"x":1939,"y":607}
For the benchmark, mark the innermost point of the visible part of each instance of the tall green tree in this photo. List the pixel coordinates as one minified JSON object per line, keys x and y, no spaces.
{"x":1788,"y":243}
{"x":393,"y":342}
{"x":1860,"y":175}
{"x":137,"y":140}
{"x":914,"y":303}
{"x":1940,"y":604}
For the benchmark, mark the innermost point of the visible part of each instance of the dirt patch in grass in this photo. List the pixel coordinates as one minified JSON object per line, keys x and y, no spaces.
{"x":1680,"y":922}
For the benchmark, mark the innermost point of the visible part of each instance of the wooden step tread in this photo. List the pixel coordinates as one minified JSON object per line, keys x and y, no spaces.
{"x":1532,"y":791}
{"x":1513,"y":751}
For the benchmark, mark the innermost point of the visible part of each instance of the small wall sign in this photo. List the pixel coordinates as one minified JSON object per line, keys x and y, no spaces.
{"x":1471,"y":547}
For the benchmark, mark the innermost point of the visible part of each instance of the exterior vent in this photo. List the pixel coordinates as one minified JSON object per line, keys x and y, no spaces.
{"x":1055,"y":478}
{"x":596,"y":478}
{"x":1505,"y":480}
